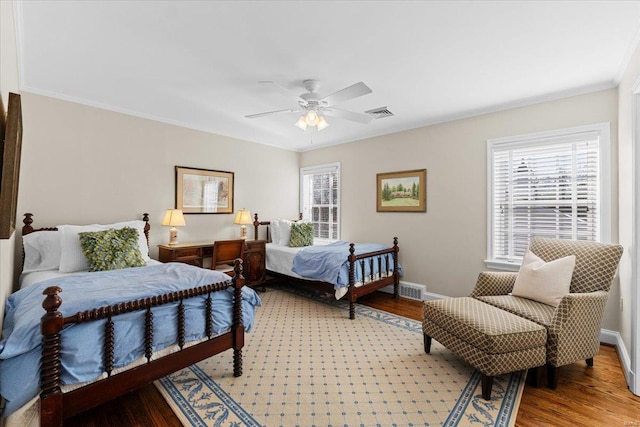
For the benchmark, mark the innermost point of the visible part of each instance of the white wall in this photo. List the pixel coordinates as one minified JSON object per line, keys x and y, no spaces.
{"x":625,"y":173}
{"x":445,"y":248}
{"x":8,"y":83}
{"x":83,"y":165}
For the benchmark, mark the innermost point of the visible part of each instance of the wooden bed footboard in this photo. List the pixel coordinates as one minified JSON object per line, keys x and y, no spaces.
{"x":372,"y":282}
{"x":55,"y":405}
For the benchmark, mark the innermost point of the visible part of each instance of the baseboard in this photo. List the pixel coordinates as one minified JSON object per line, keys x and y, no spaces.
{"x":431,"y":296}
{"x":614,"y":338}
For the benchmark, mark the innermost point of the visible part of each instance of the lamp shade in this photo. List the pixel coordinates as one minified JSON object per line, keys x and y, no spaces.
{"x":322,"y":124}
{"x":301,"y":123}
{"x":243,"y":217}
{"x":173,"y":218}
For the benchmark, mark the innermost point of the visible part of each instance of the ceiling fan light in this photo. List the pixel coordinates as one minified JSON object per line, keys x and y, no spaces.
{"x":312,"y":118}
{"x":301,"y":123}
{"x":322,"y":124}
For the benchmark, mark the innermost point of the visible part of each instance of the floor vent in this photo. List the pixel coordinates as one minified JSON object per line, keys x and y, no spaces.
{"x":379,"y":113}
{"x":408,"y":290}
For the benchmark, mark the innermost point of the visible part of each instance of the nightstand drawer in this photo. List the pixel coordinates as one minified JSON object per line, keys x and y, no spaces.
{"x":188,"y":253}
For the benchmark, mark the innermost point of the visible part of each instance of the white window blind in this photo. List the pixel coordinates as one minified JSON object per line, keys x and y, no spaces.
{"x":547,"y":185}
{"x":320,"y":200}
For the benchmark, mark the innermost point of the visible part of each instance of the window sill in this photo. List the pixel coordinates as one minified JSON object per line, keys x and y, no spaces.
{"x":502,"y":265}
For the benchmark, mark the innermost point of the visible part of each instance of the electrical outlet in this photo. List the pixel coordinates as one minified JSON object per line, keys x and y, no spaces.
{"x":621,"y":304}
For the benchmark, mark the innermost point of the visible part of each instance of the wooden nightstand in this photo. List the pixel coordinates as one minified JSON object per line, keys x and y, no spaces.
{"x":253,"y":258}
{"x":254,"y":263}
{"x":188,"y":253}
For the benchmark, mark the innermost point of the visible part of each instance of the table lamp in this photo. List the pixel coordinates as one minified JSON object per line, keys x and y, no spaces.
{"x":173,"y":218}
{"x":243,"y":217}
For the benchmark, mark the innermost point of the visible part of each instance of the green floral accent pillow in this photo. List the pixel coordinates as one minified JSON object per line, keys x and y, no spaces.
{"x":111,"y":249}
{"x":301,"y":234}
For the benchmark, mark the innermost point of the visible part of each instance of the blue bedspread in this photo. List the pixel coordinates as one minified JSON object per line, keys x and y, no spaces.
{"x":329,"y":262}
{"x":21,"y":346}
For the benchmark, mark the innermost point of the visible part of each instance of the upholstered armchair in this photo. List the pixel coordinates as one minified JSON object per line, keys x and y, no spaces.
{"x":573,"y":327}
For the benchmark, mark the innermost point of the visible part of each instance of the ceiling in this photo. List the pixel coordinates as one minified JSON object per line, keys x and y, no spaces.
{"x":198,"y":64}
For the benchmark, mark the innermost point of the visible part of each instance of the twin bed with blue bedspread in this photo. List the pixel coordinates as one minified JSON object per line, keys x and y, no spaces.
{"x":105,"y":333}
{"x":349,"y":270}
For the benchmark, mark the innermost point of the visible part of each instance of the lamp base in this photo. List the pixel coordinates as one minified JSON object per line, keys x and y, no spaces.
{"x":173,"y":236}
{"x":243,"y":231}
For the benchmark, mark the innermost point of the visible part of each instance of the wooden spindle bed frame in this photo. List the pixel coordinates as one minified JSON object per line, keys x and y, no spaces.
{"x":55,"y":405}
{"x":376,"y":281}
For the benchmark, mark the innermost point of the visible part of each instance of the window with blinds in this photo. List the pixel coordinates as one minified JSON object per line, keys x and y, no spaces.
{"x":548,"y":184}
{"x":320,"y":200}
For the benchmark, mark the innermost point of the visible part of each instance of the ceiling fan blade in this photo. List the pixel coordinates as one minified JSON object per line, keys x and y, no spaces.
{"x":267,"y":113}
{"x":348,"y":115}
{"x":283,"y":90}
{"x":347,"y":93}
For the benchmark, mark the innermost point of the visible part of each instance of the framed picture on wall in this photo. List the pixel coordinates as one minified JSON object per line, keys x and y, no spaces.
{"x":404,"y":191}
{"x":10,"y":164}
{"x":204,"y":191}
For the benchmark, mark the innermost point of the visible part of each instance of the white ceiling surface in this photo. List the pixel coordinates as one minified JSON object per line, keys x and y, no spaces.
{"x":197,"y":64}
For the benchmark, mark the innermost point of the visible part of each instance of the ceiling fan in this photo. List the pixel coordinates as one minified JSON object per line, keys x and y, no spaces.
{"x":314,"y":108}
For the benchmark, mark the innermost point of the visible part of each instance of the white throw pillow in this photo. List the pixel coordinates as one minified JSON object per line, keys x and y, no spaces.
{"x":41,"y":251}
{"x":275,"y":231}
{"x":545,"y":282}
{"x":72,"y":259}
{"x":285,"y":232}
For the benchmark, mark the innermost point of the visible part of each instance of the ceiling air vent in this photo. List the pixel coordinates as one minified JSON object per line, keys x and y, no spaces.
{"x":379,"y":113}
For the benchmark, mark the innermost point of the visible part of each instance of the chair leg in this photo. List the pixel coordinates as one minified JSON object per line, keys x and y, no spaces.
{"x":552,"y":376}
{"x":427,"y":343}
{"x":487,"y":384}
{"x":534,"y":376}
{"x":589,"y":361}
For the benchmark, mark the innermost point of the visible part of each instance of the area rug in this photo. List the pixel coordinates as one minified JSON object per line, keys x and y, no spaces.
{"x":307,"y":364}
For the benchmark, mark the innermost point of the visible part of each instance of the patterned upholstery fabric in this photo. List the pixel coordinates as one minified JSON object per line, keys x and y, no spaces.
{"x":596,"y":263}
{"x":574,"y":326}
{"x":574,"y":332}
{"x":488,"y":364}
{"x":490,"y":339}
{"x":494,"y":283}
{"x":529,"y":309}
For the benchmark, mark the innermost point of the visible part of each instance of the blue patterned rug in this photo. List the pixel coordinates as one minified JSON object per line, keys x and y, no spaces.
{"x":307,"y":364}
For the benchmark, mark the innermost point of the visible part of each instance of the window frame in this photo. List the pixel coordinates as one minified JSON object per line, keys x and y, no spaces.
{"x":558,"y":136}
{"x":309,"y":170}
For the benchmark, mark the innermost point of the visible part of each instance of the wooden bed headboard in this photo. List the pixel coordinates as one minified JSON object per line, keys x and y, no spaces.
{"x":257,"y":223}
{"x":28,"y":220}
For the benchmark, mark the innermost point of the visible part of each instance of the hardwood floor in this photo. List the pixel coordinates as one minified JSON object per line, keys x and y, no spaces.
{"x":585,"y":396}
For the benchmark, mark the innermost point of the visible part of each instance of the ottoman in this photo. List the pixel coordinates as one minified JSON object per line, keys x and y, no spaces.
{"x":492,"y":340}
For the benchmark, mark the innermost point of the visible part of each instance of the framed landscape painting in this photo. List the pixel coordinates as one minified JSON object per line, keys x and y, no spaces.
{"x":204,"y":191}
{"x":404,"y":191}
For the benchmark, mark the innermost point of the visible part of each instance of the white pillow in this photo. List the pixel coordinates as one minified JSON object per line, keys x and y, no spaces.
{"x":41,"y":251}
{"x":275,"y":231}
{"x":545,"y":282}
{"x":72,"y":258}
{"x":285,"y":232}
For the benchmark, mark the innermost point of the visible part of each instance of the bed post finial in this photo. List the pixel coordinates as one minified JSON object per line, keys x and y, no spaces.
{"x":28,"y":220}
{"x":147,"y":227}
{"x":256,"y":224}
